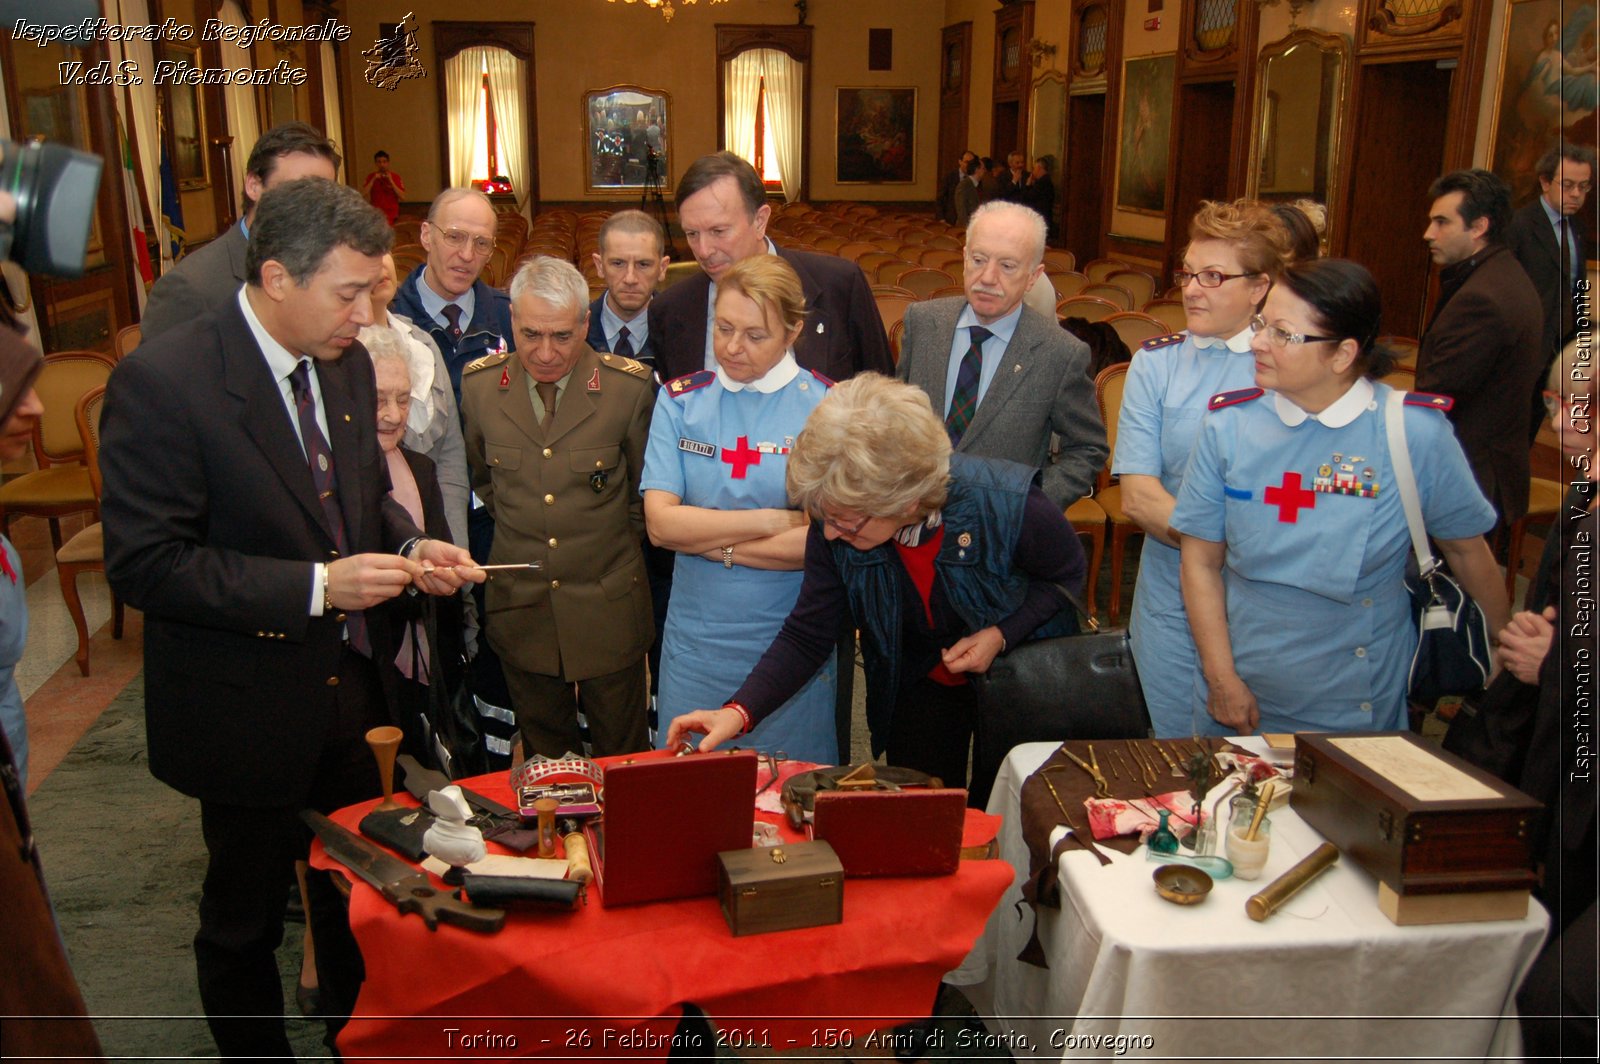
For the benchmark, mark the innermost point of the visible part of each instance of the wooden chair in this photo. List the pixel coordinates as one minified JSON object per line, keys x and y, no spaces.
{"x":1135,"y":328}
{"x":855,"y":249}
{"x":408,"y":257}
{"x":892,"y":309}
{"x":892,"y":290}
{"x":1100,"y":269}
{"x":1544,"y":507}
{"x":677,"y":271}
{"x":1111,"y":293}
{"x":942,"y":259}
{"x":897,"y":334}
{"x":1060,"y":259}
{"x":1089,"y":308}
{"x":871,"y":260}
{"x":1088,"y":519}
{"x":408,"y":231}
{"x":1404,"y":347}
{"x":891,"y":272}
{"x":1067,"y":282}
{"x":85,"y":552}
{"x":924,"y":281}
{"x":830,"y":244}
{"x":946,"y":293}
{"x":944,"y":242}
{"x":1169,"y":312}
{"x":1139,"y":284}
{"x":1401,"y":379}
{"x":1108,"y":393}
{"x":496,"y":270}
{"x":60,"y":486}
{"x":125,"y":341}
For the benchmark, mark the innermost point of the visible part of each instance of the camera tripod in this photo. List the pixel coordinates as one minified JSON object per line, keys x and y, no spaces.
{"x":651,"y":201}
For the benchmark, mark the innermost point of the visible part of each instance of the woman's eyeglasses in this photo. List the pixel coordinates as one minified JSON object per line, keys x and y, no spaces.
{"x":847,"y":530}
{"x":1207,"y":278}
{"x":1283,"y":337}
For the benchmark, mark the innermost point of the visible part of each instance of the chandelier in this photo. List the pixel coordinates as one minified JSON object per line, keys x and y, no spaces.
{"x":666,"y":5}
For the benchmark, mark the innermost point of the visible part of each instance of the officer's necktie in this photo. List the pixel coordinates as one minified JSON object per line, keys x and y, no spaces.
{"x":320,"y":457}
{"x":547,"y":396}
{"x":452,"y":313}
{"x":624,"y":345}
{"x":964,"y":401}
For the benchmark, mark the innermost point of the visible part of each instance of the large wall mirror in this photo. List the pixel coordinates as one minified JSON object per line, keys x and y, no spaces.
{"x":627,"y":137}
{"x":1299,"y":106}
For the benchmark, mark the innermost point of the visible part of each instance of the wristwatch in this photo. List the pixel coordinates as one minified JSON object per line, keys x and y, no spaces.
{"x":727,"y":557}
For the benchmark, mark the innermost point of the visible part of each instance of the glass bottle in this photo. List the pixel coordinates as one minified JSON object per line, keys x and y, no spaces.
{"x":1162,"y":840}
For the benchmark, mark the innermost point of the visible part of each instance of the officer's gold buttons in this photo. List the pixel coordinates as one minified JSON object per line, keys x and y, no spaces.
{"x":494,"y":461}
{"x":341,"y":618}
{"x":555,"y":585}
{"x":549,"y":500}
{"x":553,"y":543}
{"x":598,"y":464}
{"x":333,"y":681}
{"x":548,"y":452}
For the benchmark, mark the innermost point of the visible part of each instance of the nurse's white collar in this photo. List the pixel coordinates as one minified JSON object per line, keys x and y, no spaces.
{"x":1238,"y":343}
{"x":1338,"y":414}
{"x":776,"y":378}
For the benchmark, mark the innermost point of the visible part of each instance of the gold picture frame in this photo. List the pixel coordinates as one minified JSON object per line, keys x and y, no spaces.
{"x":1149,"y":83}
{"x":628,"y":140}
{"x":875,"y":135}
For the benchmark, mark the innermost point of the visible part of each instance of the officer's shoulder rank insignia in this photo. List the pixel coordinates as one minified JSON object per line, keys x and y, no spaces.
{"x":493,"y":358}
{"x":680,"y":386}
{"x":1441,"y":403}
{"x":826,"y":383}
{"x":1157,"y":342}
{"x":1234,"y":398}
{"x":632,"y":367}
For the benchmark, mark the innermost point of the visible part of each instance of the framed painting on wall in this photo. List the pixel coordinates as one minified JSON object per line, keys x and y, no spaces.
{"x":1547,"y":89}
{"x":876,"y":136}
{"x":626,"y":128}
{"x":185,"y":119}
{"x":1147,"y":89}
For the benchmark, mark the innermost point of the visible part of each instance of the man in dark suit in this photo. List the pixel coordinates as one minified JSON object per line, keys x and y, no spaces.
{"x":949,"y":183}
{"x":1002,"y":376}
{"x":210,"y":278}
{"x":247,"y":513}
{"x":632,"y":261}
{"x":1552,"y":247}
{"x":722,"y":207}
{"x":1482,"y":346}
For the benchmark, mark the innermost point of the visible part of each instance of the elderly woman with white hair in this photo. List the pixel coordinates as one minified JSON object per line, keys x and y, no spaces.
{"x":432,"y":428}
{"x":943,"y":561}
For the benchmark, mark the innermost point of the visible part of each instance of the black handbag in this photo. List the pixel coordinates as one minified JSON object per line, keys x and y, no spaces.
{"x":1082,"y":686}
{"x":1453,"y":650}
{"x":453,"y":734}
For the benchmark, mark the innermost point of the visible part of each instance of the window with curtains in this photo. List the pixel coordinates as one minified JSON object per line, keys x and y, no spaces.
{"x":485,"y":163}
{"x":487,"y":93}
{"x":766,"y":160}
{"x":763,"y":101}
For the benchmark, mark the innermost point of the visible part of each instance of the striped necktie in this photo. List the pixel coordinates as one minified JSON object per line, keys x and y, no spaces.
{"x":964,"y":400}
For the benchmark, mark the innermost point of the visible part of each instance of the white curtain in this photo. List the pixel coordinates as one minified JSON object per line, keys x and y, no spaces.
{"x":508,"y":92}
{"x":463,"y":89}
{"x":785,"y":86}
{"x":240,"y":100}
{"x":741,"y":93}
{"x":331,"y":125}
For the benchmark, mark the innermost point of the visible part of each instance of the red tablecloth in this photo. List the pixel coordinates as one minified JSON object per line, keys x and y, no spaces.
{"x":612,"y":982}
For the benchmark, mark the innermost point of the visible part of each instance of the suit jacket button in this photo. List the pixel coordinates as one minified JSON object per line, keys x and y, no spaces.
{"x":549,"y":500}
{"x":340,"y":618}
{"x":333,"y":681}
{"x":333,"y":554}
{"x":553,"y":543}
{"x":548,"y":452}
{"x":555,"y":585}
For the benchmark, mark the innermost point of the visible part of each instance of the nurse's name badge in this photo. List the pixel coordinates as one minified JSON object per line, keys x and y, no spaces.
{"x":705,"y":450}
{"x":597,"y":481}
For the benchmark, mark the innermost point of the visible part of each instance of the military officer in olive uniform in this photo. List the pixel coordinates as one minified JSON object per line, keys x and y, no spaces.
{"x":555,"y":437}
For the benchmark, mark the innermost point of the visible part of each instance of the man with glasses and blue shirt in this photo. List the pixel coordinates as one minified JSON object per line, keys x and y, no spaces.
{"x":1002,"y":376}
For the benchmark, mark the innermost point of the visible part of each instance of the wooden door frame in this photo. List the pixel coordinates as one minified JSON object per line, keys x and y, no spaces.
{"x":794,"y":41}
{"x":452,"y":38}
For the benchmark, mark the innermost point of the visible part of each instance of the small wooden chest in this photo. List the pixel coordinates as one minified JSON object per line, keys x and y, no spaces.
{"x":1418,"y":819}
{"x":778,"y":888}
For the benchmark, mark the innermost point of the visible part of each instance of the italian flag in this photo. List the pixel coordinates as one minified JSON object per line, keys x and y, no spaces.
{"x":130,"y":186}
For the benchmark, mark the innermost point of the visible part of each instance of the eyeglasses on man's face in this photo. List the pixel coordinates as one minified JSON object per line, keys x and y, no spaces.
{"x":1566,"y":184}
{"x":460,"y":240}
{"x":1283,"y":337}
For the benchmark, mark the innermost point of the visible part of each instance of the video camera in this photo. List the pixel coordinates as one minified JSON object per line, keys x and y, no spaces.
{"x":55,"y":190}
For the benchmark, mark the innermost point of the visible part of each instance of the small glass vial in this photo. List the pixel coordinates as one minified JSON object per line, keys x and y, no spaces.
{"x":1162,"y":840}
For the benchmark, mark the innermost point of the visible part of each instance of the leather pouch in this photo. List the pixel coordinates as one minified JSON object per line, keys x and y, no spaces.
{"x":399,"y":829}
{"x":521,"y":892}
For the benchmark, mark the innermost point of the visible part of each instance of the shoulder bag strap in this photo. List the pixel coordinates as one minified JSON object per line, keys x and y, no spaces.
{"x":1406,"y":483}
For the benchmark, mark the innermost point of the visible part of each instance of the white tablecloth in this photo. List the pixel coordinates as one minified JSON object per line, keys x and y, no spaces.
{"x":1326,"y":976}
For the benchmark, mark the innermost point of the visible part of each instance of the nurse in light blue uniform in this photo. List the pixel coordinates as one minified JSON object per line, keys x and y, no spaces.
{"x":714,"y":491}
{"x":1234,"y":249}
{"x":1294,"y":539}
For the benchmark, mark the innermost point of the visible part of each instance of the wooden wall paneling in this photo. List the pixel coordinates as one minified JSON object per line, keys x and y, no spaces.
{"x":1013,"y":30}
{"x":1115,"y":31}
{"x":955,"y":93}
{"x":794,"y":40}
{"x":449,"y":39}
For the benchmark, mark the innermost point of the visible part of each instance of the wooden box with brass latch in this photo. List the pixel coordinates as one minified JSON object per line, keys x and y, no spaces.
{"x":1419,"y":820}
{"x":779,"y":888}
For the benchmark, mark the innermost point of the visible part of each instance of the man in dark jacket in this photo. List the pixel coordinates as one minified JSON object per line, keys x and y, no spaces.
{"x":1482,"y":346}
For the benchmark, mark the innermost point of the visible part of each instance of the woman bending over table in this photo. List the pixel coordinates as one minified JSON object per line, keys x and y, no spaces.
{"x":1294,"y":542}
{"x":1235,"y":250}
{"x":714,"y":492}
{"x":943,"y":561}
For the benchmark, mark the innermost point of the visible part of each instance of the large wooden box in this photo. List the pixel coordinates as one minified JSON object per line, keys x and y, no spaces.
{"x":1418,"y":819}
{"x":778,"y":888}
